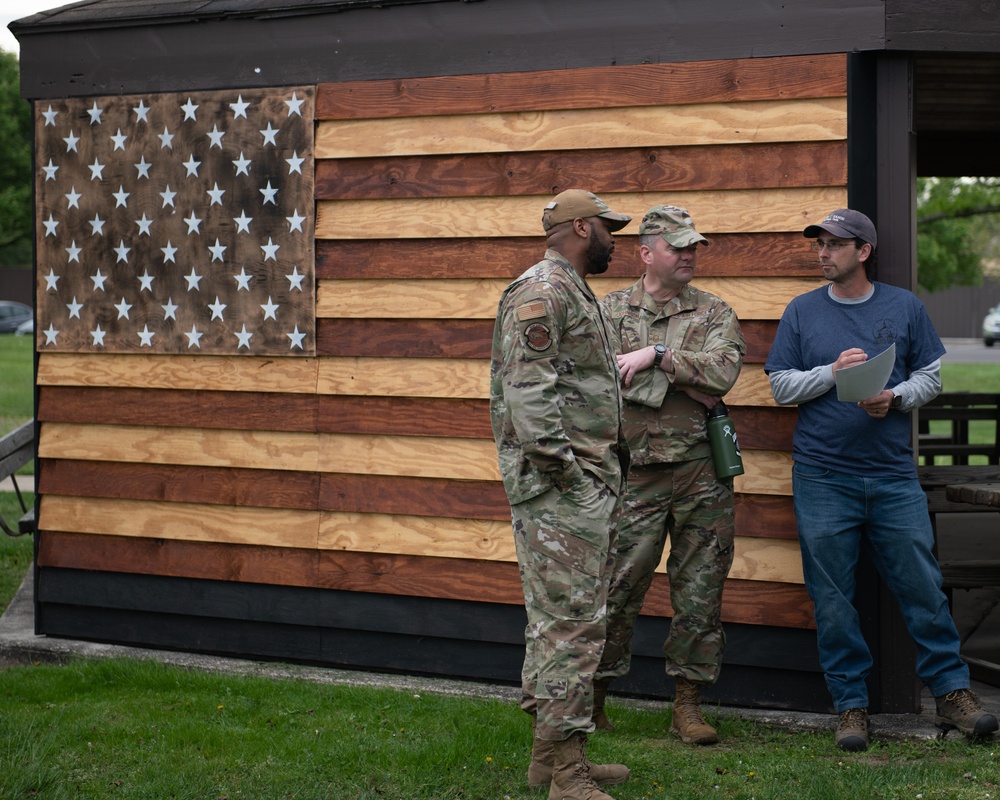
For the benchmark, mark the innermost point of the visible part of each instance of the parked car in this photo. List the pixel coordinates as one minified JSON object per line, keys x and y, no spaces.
{"x":991,"y":326}
{"x":13,"y":314}
{"x":26,"y":328}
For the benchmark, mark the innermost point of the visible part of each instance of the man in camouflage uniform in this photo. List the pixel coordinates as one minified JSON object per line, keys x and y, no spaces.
{"x":555,"y":407}
{"x":680,"y":349}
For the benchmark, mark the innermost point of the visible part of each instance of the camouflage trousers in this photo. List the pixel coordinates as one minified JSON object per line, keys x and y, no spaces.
{"x":686,"y":502}
{"x":565,"y":549}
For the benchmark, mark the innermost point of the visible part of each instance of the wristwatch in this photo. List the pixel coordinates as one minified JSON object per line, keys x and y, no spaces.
{"x":659,"y":351}
{"x":897,"y":400}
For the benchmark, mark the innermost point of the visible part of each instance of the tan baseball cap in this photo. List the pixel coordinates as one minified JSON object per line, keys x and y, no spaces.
{"x":578,"y":204}
{"x":673,"y":223}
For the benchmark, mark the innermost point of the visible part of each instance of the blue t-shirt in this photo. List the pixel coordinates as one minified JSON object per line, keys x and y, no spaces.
{"x":815,"y":329}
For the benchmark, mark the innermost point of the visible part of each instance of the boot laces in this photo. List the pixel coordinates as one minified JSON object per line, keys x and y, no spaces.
{"x":853,"y":718}
{"x":964,"y":700}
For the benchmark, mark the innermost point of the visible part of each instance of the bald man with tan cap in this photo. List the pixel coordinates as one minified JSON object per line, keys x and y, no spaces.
{"x":555,"y":408}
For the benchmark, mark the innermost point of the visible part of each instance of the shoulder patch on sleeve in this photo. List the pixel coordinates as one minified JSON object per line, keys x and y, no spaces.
{"x":531,"y":311}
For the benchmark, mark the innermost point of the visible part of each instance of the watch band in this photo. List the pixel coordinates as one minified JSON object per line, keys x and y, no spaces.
{"x":659,"y":352}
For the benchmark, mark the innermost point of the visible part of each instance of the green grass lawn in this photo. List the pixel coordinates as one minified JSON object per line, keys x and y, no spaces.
{"x":134,"y":729}
{"x":17,"y":385}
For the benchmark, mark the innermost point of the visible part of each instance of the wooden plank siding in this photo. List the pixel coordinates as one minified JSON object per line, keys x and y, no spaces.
{"x":371,"y":468}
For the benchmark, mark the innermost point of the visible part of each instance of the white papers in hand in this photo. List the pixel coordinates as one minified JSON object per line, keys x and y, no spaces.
{"x":867,"y":379}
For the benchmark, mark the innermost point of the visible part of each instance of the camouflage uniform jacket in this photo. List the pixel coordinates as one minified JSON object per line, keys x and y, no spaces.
{"x":555,"y":397}
{"x":663,"y":424}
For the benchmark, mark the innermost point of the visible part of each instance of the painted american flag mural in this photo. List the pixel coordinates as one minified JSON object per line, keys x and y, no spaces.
{"x":176,"y":223}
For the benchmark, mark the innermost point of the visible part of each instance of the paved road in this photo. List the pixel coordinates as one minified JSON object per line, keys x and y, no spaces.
{"x":970,"y":351}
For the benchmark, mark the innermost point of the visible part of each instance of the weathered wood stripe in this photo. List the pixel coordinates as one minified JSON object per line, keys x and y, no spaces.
{"x":731,"y":80}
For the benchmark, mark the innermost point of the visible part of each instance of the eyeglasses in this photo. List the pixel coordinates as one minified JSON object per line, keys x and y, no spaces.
{"x":832,"y":246}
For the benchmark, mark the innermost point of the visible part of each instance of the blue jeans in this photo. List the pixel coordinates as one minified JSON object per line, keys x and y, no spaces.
{"x":834,"y":510}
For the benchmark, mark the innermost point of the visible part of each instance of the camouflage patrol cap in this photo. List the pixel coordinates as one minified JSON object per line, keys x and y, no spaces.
{"x":673,"y":223}
{"x":578,"y":204}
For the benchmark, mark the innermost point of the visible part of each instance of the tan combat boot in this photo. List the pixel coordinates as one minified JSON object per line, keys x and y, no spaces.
{"x":688,"y":723}
{"x":543,"y":758}
{"x":600,"y":719}
{"x":571,"y":773}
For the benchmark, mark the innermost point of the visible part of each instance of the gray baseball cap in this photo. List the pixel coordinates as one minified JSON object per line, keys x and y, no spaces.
{"x":847,"y":224}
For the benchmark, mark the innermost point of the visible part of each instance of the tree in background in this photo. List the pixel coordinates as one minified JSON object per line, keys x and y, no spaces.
{"x":15,"y":167}
{"x":958,"y":230}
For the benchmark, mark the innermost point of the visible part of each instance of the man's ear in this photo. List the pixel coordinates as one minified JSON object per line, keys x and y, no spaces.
{"x":863,"y":254}
{"x":646,"y":254}
{"x":581,"y":227}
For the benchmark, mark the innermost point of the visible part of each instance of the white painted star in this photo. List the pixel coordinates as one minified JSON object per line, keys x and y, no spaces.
{"x":146,"y":281}
{"x":168,"y":197}
{"x":98,"y":336}
{"x":73,"y":197}
{"x":50,"y":171}
{"x":119,"y":140}
{"x":143,"y":168}
{"x":194,"y":338}
{"x":189,"y":108}
{"x":123,"y":309}
{"x":217,"y":308}
{"x":50,"y":334}
{"x":243,"y":279}
{"x":296,"y":338}
{"x":73,"y":252}
{"x":141,"y":111}
{"x":51,"y":280}
{"x":146,"y":337}
{"x":192,"y":166}
{"x":294,"y":163}
{"x":74,"y":309}
{"x":193,"y":280}
{"x":170,"y":309}
{"x":50,"y":226}
{"x":122,"y":252}
{"x":243,"y":222}
{"x":294,"y":105}
{"x":242,"y":165}
{"x":295,"y":221}
{"x":166,"y":138}
{"x":216,"y":137}
{"x":71,"y":141}
{"x":216,"y":194}
{"x":193,"y":224}
{"x":217,"y":250}
{"x":168,"y":253}
{"x":239,"y":108}
{"x":295,"y":279}
{"x":143,"y":224}
{"x":98,"y":280}
{"x":97,"y":226}
{"x":270,"y":250}
{"x":269,"y":133}
{"x":95,"y":114}
{"x":269,"y":194}
{"x":269,"y":308}
{"x":50,"y":116}
{"x":244,"y":336}
{"x":96,"y":170}
{"x":121,"y":196}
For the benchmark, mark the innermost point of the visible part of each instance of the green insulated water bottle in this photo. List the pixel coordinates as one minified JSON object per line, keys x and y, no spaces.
{"x":722,"y":439}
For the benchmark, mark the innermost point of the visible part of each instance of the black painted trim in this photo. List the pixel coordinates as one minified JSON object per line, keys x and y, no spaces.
{"x":764,"y":666}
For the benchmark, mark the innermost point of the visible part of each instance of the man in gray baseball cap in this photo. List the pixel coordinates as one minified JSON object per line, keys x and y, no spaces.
{"x":853,"y":474}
